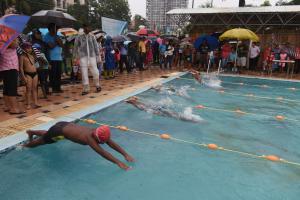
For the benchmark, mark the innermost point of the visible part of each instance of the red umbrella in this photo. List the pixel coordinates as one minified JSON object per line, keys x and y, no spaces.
{"x":147,"y":32}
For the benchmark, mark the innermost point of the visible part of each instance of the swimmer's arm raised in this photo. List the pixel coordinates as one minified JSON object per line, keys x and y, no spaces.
{"x":93,"y":144}
{"x":119,"y":149}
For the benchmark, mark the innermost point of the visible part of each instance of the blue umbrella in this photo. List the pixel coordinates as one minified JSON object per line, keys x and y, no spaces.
{"x":11,"y":26}
{"x":212,"y":42}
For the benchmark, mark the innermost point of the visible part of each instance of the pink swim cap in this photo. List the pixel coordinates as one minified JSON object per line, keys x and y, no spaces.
{"x":102,"y":133}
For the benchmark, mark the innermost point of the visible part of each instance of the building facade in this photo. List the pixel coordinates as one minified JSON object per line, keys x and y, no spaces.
{"x":63,"y":4}
{"x":156,"y":11}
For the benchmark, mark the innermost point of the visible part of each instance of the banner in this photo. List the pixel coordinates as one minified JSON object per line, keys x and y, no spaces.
{"x":113,"y":27}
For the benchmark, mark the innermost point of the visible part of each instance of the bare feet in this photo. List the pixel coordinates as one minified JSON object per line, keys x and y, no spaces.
{"x":30,"y":134}
{"x":28,"y":107}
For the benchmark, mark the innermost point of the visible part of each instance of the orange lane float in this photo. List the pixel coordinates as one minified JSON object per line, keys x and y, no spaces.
{"x":123,"y":128}
{"x":272,"y":158}
{"x":212,"y":146}
{"x":238,"y":111}
{"x":221,"y":91}
{"x":264,"y":86}
{"x":280,"y":117}
{"x":90,"y":121}
{"x":250,"y":95}
{"x":200,"y":107}
{"x":165,"y":136}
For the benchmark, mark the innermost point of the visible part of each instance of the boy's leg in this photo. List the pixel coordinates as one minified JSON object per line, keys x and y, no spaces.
{"x":95,"y":71}
{"x":28,"y":90}
{"x":34,"y":90}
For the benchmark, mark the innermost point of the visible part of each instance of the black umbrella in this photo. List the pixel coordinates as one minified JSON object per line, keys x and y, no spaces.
{"x":120,"y":38}
{"x":133,"y":37}
{"x":45,"y":17}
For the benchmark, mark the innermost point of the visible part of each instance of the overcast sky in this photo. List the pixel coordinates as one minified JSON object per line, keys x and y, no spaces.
{"x":139,"y":6}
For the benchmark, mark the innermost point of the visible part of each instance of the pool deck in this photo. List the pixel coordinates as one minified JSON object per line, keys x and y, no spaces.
{"x":70,"y":105}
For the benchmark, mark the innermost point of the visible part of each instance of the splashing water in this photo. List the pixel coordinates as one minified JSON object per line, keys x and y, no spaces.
{"x":189,"y":116}
{"x":182,"y":91}
{"x":211,"y":80}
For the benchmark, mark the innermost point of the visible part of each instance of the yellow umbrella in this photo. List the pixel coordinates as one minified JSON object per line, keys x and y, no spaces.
{"x":239,"y":34}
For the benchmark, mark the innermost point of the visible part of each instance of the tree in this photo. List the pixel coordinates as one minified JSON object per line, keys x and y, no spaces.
{"x":93,"y":10}
{"x":283,"y":3}
{"x":266,"y":3}
{"x":242,"y":3}
{"x":27,"y":7}
{"x":138,"y":20}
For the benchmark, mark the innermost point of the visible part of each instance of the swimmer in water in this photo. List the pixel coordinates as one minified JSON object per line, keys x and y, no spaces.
{"x":159,"y":88}
{"x":159,"y":110}
{"x":80,"y":135}
{"x":196,"y":75}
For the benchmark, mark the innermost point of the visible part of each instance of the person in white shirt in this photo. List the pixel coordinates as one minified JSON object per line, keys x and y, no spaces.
{"x":87,"y":53}
{"x":254,"y":56}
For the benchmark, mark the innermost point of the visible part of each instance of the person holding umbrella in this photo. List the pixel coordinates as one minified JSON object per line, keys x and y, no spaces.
{"x":86,"y":51}
{"x":55,"y":46}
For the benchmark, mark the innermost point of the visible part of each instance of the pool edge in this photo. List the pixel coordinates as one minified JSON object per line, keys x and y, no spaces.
{"x":10,"y":142}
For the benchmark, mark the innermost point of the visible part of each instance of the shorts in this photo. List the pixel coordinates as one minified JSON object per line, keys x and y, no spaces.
{"x":55,"y":133}
{"x":241,"y":61}
{"x":10,"y":82}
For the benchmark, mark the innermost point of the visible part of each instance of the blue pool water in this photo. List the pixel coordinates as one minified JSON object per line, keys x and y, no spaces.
{"x":168,"y":169}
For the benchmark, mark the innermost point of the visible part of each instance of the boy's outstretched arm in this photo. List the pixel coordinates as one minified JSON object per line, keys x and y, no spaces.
{"x":95,"y":146}
{"x":119,"y":149}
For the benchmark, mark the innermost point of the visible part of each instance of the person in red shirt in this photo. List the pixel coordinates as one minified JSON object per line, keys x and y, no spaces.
{"x":225,"y":52}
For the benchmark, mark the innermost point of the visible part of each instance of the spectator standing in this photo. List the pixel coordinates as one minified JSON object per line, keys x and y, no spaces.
{"x":142,"y":53}
{"x":169,"y":54}
{"x":110,"y":63}
{"x":43,"y":70}
{"x":204,"y":49}
{"x":162,"y":51}
{"x":254,"y":56}
{"x":124,"y":59}
{"x":9,"y":71}
{"x":86,"y":50}
{"x":242,"y":56}
{"x":55,"y":45}
{"x":225,"y":52}
{"x":132,"y":54}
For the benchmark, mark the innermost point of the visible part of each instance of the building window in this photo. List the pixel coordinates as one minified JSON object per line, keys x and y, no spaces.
{"x":58,"y":3}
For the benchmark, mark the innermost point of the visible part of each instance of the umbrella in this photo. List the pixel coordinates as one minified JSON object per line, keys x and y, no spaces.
{"x":11,"y":26}
{"x":239,"y":34}
{"x":170,"y":37}
{"x":147,"y":32}
{"x":45,"y":17}
{"x":127,"y":43}
{"x":212,"y":42}
{"x":133,"y":37}
{"x":186,"y":44}
{"x":119,"y":38}
{"x":68,"y":31}
{"x":187,"y":39}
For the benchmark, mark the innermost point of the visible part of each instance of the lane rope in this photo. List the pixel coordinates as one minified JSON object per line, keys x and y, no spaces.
{"x":213,"y":147}
{"x":241,"y":112}
{"x":247,"y":84}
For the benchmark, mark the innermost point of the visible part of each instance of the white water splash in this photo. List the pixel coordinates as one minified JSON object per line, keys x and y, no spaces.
{"x":182,"y":91}
{"x":211,"y":80}
{"x":166,"y":102}
{"x":188,"y":115}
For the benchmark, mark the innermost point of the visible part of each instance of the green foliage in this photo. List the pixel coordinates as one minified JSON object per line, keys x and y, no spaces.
{"x":242,"y":3}
{"x":138,"y":21}
{"x":92,"y":12}
{"x":27,"y":7}
{"x":266,"y":3}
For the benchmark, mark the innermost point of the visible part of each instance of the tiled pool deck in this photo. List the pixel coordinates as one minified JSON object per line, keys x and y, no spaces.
{"x":71,"y":100}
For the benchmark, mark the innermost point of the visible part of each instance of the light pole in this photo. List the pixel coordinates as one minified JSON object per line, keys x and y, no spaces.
{"x":193,"y":3}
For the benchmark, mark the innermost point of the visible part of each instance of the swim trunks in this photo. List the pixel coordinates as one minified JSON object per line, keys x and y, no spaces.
{"x":55,"y":133}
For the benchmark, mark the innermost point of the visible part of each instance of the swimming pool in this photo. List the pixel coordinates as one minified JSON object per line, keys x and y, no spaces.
{"x":167,"y":169}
